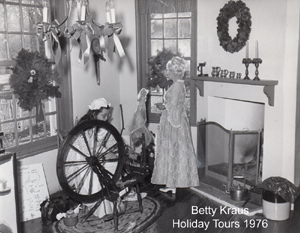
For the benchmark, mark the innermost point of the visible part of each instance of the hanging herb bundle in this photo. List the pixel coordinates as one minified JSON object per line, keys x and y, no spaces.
{"x":33,"y":79}
{"x":156,"y":76}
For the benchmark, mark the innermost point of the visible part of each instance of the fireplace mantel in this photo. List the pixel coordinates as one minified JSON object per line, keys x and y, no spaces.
{"x":269,"y":85}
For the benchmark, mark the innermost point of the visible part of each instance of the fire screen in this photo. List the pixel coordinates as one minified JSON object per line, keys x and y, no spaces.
{"x":230,"y":153}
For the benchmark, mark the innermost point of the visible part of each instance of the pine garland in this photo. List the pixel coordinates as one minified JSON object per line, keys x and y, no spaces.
{"x":32,"y":79}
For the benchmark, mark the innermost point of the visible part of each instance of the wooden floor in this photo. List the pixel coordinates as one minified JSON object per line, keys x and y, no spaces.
{"x":178,"y":217}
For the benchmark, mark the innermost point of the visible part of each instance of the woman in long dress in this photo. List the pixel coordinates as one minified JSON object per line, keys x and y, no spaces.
{"x":175,"y":160}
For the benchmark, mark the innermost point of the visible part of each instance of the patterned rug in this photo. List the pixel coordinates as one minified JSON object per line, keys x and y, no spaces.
{"x":131,"y":221}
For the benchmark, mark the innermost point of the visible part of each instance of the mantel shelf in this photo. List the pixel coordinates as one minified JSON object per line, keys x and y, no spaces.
{"x":269,"y":85}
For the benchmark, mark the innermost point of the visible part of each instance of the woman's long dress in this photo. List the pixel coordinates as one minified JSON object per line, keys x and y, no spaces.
{"x":175,"y":158}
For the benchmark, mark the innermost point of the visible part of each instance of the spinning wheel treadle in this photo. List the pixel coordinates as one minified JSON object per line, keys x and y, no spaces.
{"x":89,"y":148}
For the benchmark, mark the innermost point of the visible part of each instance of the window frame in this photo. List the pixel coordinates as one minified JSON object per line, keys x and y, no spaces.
{"x":64,"y":105}
{"x":143,"y":34}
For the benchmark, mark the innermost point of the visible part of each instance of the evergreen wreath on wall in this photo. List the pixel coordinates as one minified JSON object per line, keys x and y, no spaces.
{"x":32,"y":79}
{"x":242,"y":13}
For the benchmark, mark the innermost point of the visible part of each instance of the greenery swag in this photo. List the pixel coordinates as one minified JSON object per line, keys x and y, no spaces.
{"x":157,"y":64}
{"x":32,"y":79}
{"x":242,"y":13}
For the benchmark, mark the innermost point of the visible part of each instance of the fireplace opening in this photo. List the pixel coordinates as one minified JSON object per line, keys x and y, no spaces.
{"x":230,"y":141}
{"x":231,"y":153}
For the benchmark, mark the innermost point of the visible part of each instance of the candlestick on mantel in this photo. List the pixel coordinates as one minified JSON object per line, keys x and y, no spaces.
{"x":107,"y":9}
{"x":112,"y":11}
{"x":247,"y":49}
{"x":256,"y":50}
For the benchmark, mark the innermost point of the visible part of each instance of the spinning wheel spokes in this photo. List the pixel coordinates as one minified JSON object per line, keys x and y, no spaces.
{"x":76,"y":173}
{"x":89,"y":146}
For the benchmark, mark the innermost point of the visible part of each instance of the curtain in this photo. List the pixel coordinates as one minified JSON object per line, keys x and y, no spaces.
{"x":165,"y":6}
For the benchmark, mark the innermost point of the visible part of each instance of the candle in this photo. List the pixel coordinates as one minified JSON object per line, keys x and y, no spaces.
{"x":83,"y":10}
{"x":247,"y":49}
{"x":79,"y":3}
{"x":256,"y":49}
{"x":112,"y":11}
{"x":107,"y":9}
{"x":45,"y":12}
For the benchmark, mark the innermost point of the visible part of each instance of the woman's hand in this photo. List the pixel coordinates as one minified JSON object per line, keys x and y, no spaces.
{"x":160,"y":106}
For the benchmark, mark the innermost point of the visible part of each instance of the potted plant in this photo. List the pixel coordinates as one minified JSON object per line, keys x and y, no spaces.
{"x":277,"y":197}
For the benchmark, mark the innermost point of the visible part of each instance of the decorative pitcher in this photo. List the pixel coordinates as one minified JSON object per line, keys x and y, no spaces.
{"x":231,"y":74}
{"x":223,"y":73}
{"x":215,"y":71}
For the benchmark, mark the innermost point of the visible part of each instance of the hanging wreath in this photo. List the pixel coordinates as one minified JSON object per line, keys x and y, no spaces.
{"x":242,"y":13}
{"x":32,"y":79}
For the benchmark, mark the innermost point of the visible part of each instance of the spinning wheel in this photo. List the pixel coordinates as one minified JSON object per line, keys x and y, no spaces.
{"x":92,"y":151}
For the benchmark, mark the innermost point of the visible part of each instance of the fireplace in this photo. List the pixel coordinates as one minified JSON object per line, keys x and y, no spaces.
{"x":231,"y":146}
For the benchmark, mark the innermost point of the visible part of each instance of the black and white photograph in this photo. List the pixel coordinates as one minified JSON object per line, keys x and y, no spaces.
{"x":149,"y":116}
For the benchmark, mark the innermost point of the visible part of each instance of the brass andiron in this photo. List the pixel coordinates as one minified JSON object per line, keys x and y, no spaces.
{"x":256,"y":62}
{"x":247,"y":61}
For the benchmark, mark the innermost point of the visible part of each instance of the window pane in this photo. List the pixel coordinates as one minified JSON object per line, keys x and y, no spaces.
{"x":184,"y":28}
{"x":38,"y":130}
{"x":50,"y":105}
{"x":21,"y":113}
{"x":3,"y":49}
{"x":1,"y":17}
{"x":15,"y":45}
{"x":51,"y":125}
{"x":39,"y":14}
{"x":170,"y":29}
{"x":29,"y":19}
{"x":188,"y":67}
{"x":9,"y":136}
{"x":184,"y":47}
{"x":155,"y":46}
{"x":170,"y":15}
{"x":23,"y":131}
{"x":35,"y":2}
{"x":185,"y":14}
{"x":13,"y":18}
{"x":156,"y":16}
{"x":6,"y":107}
{"x":30,"y":43}
{"x":171,"y":44}
{"x":156,"y":28}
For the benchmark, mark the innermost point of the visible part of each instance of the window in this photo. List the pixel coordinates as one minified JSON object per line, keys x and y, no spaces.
{"x":167,"y":24}
{"x":22,"y":132}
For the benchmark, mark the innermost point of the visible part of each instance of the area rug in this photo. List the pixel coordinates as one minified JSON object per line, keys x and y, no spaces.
{"x":131,"y":221}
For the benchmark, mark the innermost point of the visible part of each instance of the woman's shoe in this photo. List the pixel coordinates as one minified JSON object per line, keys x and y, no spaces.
{"x":165,"y":190}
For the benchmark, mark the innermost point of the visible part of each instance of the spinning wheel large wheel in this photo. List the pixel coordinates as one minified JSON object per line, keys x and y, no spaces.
{"x":85,"y":145}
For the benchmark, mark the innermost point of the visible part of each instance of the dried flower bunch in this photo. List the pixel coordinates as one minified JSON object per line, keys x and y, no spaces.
{"x":242,"y":13}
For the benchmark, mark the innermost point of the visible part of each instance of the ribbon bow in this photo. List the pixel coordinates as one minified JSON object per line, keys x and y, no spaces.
{"x":51,"y":31}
